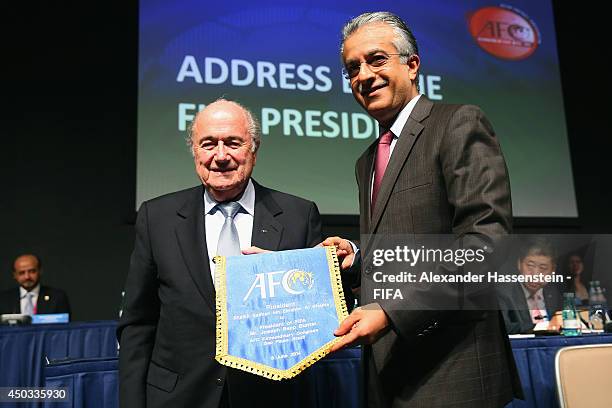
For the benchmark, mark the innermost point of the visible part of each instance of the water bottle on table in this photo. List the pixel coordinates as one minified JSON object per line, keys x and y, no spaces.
{"x":571,"y":321}
{"x":598,"y":306}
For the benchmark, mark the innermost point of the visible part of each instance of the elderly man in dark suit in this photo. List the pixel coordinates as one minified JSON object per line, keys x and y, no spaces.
{"x":31,"y":297}
{"x":435,"y":169}
{"x":167,"y":330}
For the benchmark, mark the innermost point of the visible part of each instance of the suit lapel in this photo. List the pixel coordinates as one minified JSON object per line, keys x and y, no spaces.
{"x":411,"y":131}
{"x":267,"y":231}
{"x":365,"y":170}
{"x":17,"y":302}
{"x":190,"y":232}
{"x":41,"y":303}
{"x":521,"y":305}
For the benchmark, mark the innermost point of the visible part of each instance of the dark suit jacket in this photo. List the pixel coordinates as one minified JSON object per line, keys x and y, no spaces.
{"x":50,"y":300}
{"x":515,"y":309}
{"x":167,"y":330}
{"x":446,"y":175}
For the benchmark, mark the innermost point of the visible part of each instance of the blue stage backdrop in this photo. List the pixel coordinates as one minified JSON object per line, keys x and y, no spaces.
{"x":281,"y":59}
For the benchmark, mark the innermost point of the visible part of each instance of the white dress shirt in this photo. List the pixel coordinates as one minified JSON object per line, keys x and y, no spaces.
{"x":24,"y":299}
{"x":214,"y":220}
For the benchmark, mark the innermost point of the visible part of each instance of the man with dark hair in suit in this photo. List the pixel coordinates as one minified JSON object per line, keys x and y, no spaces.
{"x":526,"y":304}
{"x":435,"y":169}
{"x":31,"y":297}
{"x":167,"y":329}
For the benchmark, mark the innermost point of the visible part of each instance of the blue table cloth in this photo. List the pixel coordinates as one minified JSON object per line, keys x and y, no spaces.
{"x":91,"y":383}
{"x":333,"y":381}
{"x":24,"y":350}
{"x":535,"y":360}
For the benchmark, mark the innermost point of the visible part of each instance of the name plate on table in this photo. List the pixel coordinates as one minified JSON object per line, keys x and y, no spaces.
{"x":277,"y":311}
{"x":50,"y":318}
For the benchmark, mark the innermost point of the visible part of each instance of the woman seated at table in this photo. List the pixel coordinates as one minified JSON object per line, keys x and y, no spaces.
{"x":575,"y":267}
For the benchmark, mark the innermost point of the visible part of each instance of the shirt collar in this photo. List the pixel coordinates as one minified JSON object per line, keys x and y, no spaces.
{"x":402,"y":118}
{"x":23,"y":292}
{"x":247,"y":201}
{"x":527,"y":293}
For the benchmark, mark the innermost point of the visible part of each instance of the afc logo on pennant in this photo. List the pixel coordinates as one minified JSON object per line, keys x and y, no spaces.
{"x":292,"y":282}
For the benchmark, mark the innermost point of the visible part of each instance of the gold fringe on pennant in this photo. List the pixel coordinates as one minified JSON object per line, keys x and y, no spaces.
{"x":336,"y":282}
{"x":221,"y":341}
{"x":263,"y":370}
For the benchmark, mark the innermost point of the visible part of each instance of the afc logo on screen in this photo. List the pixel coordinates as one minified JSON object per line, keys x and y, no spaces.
{"x":504,"y":32}
{"x":292,"y":282}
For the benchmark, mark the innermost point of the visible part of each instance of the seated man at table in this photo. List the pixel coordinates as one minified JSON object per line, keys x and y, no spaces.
{"x":525,"y":304}
{"x":31,"y":297}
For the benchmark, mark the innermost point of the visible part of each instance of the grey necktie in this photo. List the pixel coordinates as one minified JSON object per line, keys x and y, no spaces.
{"x":29,"y":306}
{"x":229,"y":242}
